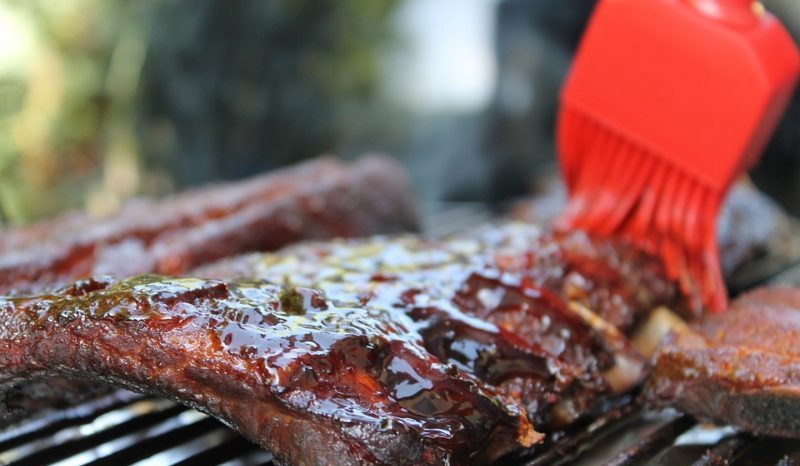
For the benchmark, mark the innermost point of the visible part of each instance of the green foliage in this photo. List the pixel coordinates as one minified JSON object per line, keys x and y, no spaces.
{"x":55,"y":103}
{"x":98,"y":98}
{"x":242,"y":86}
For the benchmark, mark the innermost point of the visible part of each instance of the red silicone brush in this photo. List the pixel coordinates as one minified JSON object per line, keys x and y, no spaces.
{"x":666,"y":103}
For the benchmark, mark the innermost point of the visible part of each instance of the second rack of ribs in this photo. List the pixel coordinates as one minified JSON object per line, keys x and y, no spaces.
{"x":377,"y":351}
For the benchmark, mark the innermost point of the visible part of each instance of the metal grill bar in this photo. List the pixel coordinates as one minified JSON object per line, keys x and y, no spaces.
{"x":127,"y":428}
{"x":81,"y":440}
{"x":651,"y":445}
{"x":230,"y":449}
{"x":52,"y":422}
{"x":144,"y":443}
{"x":254,"y":458}
{"x":573,"y":444}
{"x":181,"y":452}
{"x":725,"y":451}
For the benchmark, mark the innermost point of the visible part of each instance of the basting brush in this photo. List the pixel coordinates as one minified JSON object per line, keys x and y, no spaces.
{"x":667,"y":102}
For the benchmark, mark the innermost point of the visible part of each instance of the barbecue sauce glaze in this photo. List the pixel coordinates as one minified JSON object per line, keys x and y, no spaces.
{"x":460,"y":345}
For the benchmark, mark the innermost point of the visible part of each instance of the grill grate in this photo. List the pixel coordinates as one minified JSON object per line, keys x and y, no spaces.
{"x":666,"y":439}
{"x":127,"y":428}
{"x":650,"y":445}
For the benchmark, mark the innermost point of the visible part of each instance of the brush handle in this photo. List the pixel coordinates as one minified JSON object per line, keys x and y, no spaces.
{"x":743,"y":13}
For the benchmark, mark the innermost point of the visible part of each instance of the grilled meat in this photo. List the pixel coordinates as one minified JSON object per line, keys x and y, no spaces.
{"x":533,"y":288}
{"x":318,"y":199}
{"x":377,"y":351}
{"x":295,"y":372}
{"x":614,"y":279}
{"x":740,"y":367}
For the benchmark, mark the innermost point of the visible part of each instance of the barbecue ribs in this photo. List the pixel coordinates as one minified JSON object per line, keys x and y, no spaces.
{"x":322,"y":198}
{"x":292,"y":370}
{"x":316,"y":199}
{"x":377,"y":351}
{"x":740,"y":367}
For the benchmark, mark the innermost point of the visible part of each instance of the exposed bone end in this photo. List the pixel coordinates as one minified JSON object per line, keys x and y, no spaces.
{"x":661,"y":322}
{"x":629,"y":367}
{"x":628,"y":371}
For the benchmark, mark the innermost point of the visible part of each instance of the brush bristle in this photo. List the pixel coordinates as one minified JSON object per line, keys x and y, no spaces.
{"x":622,"y":188}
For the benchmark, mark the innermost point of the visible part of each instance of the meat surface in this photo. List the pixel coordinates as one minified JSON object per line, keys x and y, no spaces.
{"x":293,"y":371}
{"x":322,"y":198}
{"x":533,"y":287}
{"x":376,"y":351}
{"x":317,"y":199}
{"x":740,"y":367}
{"x":751,"y":226}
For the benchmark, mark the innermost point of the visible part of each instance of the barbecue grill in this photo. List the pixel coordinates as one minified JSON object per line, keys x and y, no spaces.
{"x":128,"y":428}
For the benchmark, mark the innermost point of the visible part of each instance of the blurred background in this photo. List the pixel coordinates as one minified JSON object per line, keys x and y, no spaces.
{"x":101,"y":100}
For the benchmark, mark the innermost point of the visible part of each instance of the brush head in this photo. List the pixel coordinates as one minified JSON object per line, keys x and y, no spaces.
{"x":668,"y":101}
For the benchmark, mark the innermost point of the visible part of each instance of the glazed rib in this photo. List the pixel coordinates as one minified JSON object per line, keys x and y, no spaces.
{"x":741,"y":367}
{"x":318,"y":199}
{"x":522,"y":282}
{"x":293,"y":371}
{"x":375,"y":351}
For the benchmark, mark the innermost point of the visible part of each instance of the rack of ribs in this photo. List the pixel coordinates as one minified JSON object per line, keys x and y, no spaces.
{"x":322,"y":198}
{"x":317,"y":199}
{"x":741,"y":367}
{"x":375,"y":351}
